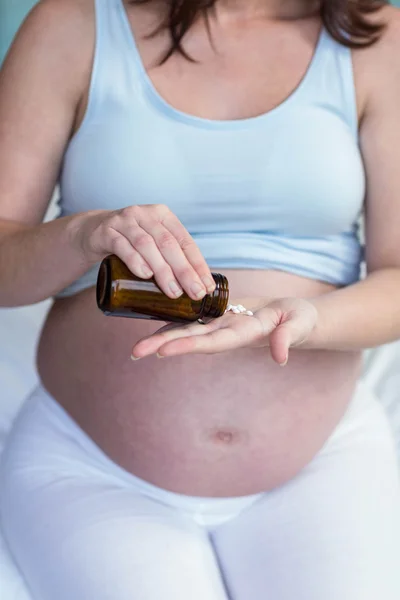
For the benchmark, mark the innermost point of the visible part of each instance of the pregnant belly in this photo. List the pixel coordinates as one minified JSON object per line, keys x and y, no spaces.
{"x":221,"y":425}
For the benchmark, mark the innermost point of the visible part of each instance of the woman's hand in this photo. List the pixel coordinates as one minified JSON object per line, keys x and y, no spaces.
{"x":150,"y":240}
{"x":279,"y":324}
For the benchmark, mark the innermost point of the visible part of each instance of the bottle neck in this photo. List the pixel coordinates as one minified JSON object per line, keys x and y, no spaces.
{"x":215,"y":304}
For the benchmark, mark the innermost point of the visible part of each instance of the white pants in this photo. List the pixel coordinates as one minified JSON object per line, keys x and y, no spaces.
{"x":82,"y":528}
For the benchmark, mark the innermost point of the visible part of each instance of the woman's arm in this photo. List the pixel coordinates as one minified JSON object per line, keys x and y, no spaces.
{"x":41,"y":87}
{"x":41,"y":84}
{"x":364,"y":315}
{"x":367,"y":314}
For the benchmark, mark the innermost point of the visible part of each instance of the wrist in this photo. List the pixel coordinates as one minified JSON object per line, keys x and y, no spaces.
{"x":79,"y":228}
{"x":317,"y":340}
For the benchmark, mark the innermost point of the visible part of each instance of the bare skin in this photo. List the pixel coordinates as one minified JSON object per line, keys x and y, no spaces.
{"x":218,"y":425}
{"x":229,"y":424}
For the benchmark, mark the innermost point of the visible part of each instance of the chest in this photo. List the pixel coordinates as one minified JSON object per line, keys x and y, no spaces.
{"x":217,"y":140}
{"x":237,"y":72}
{"x":300,"y":172}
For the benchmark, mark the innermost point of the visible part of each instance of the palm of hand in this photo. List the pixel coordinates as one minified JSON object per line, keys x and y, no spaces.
{"x":279,"y":324}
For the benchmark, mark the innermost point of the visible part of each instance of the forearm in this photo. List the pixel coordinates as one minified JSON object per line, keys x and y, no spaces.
{"x":37,"y":262}
{"x":363,"y":315}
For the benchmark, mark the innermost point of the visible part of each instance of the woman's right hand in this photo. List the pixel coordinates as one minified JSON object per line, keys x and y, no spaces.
{"x":151,"y":241}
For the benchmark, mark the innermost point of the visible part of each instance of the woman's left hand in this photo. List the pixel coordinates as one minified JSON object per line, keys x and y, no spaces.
{"x":279,"y":324}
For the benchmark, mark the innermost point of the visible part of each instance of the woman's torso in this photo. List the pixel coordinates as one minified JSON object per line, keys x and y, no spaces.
{"x":227,"y":424}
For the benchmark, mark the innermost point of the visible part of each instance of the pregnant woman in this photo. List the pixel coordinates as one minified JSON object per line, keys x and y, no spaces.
{"x":189,"y":137}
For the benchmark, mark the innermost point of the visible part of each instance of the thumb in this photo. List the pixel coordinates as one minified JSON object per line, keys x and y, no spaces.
{"x":293,"y":330}
{"x":279,"y":344}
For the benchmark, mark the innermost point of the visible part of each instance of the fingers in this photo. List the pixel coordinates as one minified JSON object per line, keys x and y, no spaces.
{"x":165,"y":247}
{"x":210,"y":342}
{"x":213,"y":342}
{"x":226,"y":333}
{"x":167,"y":251}
{"x":146,"y":246}
{"x":295,"y":327}
{"x":133,"y":260}
{"x":151,"y":344}
{"x":190,"y":250}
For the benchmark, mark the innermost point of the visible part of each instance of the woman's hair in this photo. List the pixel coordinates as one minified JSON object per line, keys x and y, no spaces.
{"x":348,"y":21}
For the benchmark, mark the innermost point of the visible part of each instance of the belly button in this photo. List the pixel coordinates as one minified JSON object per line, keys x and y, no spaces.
{"x":225,"y":437}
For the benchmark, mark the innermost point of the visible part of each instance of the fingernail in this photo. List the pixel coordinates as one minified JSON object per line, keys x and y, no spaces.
{"x":284,"y":363}
{"x":198,"y":290}
{"x":135,"y":357}
{"x":209,"y":283}
{"x":159,"y":356}
{"x":175,"y":289}
{"x":147,"y":272}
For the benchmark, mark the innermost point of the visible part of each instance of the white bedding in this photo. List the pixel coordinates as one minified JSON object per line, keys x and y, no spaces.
{"x":18,"y":334}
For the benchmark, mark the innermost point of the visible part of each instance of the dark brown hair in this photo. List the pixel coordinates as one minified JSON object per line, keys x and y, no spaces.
{"x":348,"y":21}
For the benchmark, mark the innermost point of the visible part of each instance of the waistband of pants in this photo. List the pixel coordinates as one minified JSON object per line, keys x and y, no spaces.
{"x":94,"y":456}
{"x":81,"y":452}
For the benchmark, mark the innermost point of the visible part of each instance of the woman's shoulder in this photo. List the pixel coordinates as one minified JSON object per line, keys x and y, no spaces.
{"x":62,"y":27}
{"x":57,"y":37}
{"x":377,"y":68}
{"x":48,"y":14}
{"x":385,"y":53}
{"x":389,"y":41}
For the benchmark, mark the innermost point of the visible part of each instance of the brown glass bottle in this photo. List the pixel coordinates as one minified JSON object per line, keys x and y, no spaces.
{"x":122,"y":294}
